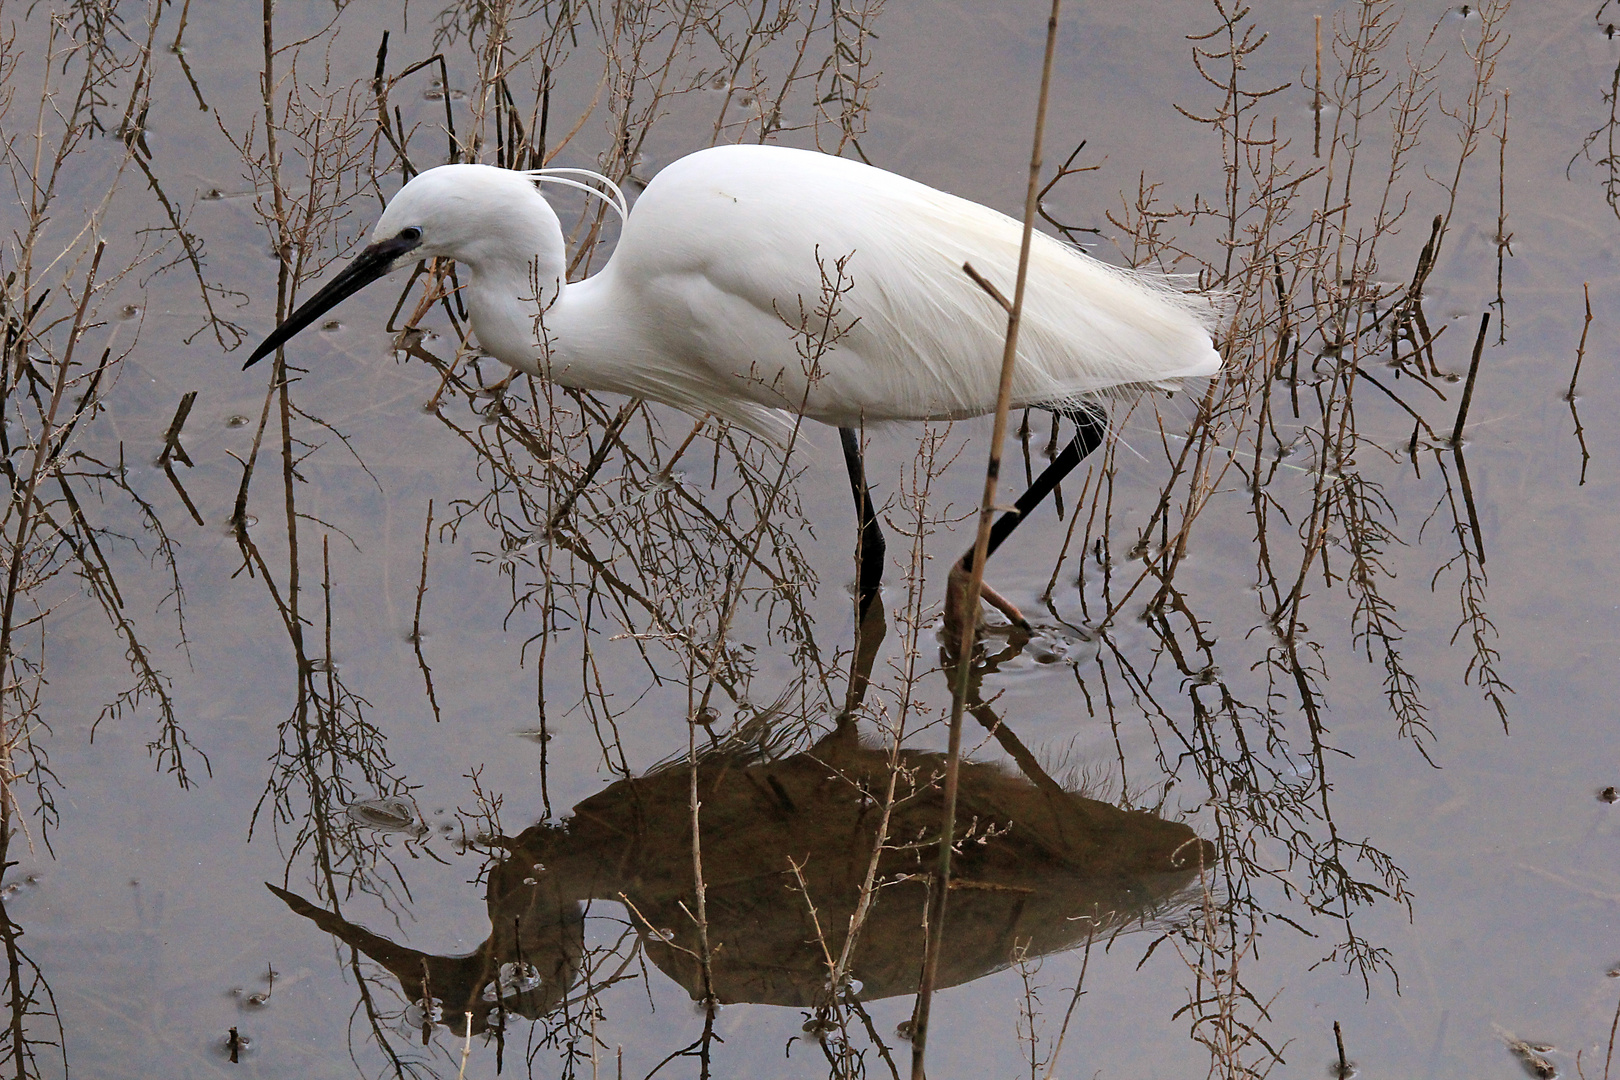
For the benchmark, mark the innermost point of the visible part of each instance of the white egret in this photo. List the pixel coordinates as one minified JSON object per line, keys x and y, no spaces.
{"x":709,"y":303}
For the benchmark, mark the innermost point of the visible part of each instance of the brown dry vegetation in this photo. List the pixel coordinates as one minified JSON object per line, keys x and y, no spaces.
{"x":1336,"y":433}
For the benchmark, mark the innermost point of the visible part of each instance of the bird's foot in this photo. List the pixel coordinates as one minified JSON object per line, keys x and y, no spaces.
{"x":961,"y":625}
{"x":1003,"y":605}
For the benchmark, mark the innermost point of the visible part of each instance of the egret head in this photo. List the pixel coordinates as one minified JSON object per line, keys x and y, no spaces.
{"x":494,"y":220}
{"x":475,"y":214}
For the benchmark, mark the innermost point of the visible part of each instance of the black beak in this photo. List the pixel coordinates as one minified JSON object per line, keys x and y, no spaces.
{"x":371,"y":264}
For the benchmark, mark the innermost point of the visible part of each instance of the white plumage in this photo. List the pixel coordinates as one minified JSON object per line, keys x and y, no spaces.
{"x":700,"y":304}
{"x":717,"y":298}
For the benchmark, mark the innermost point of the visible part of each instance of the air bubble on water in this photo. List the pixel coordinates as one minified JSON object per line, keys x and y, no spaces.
{"x":387,"y":814}
{"x":515,"y":979}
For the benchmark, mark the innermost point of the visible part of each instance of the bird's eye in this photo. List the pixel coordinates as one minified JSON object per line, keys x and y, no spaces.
{"x":412,"y":234}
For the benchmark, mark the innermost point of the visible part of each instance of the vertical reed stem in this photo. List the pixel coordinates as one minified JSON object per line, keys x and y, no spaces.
{"x":987,"y":510}
{"x":1468,"y":387}
{"x":1316,"y":103}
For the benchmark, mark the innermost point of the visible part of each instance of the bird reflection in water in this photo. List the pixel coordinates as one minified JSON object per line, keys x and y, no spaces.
{"x":1041,"y":869}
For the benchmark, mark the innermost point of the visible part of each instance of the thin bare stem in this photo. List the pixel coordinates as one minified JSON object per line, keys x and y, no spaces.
{"x":940,"y":886}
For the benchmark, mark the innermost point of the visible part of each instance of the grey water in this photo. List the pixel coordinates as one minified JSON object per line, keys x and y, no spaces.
{"x":441,"y":747}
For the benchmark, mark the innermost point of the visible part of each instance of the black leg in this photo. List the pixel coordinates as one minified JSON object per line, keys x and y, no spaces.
{"x":869,"y":546}
{"x":1091,"y":424}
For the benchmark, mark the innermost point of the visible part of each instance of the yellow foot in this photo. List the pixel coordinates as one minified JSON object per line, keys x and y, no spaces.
{"x":958,"y":619}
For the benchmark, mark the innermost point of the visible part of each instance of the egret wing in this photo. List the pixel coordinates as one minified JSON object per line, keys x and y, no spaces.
{"x":818,"y":285}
